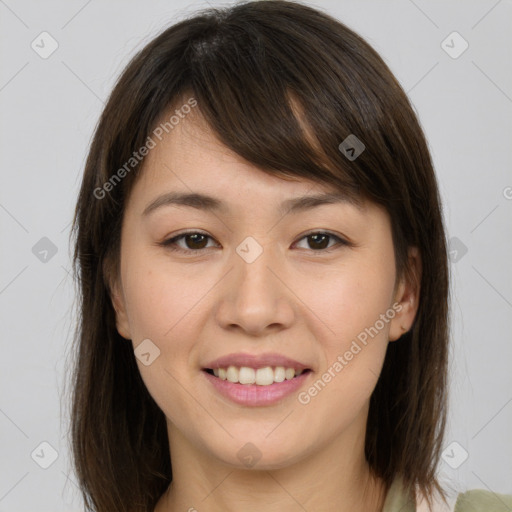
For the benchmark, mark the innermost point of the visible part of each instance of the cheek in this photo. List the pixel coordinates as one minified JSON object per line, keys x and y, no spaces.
{"x":166,"y":305}
{"x":161,"y":298}
{"x":348,"y":300}
{"x":353,"y":347}
{"x":160,"y":302}
{"x":352,"y":335}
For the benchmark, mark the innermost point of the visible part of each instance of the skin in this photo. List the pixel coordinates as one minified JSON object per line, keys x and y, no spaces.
{"x":295,"y":299}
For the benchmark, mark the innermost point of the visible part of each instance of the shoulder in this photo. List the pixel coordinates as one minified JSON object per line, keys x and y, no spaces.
{"x":479,"y":500}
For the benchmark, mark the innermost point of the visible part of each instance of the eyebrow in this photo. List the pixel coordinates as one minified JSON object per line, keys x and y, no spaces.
{"x":209,"y":203}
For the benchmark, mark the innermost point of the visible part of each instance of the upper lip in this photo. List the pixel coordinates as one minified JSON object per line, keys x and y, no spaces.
{"x":256,"y":361}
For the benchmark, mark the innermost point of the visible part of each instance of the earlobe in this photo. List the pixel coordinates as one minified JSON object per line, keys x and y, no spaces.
{"x":407,"y":297}
{"x":119,"y":305}
{"x":122,"y":325}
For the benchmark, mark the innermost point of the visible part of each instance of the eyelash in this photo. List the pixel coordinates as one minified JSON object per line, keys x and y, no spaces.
{"x":170,"y":243}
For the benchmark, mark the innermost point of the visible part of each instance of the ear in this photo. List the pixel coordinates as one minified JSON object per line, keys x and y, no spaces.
{"x":407,"y":296}
{"x":118,"y":300}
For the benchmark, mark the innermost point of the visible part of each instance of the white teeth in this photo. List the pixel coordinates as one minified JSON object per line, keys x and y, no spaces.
{"x":264,"y":376}
{"x":261,"y":376}
{"x":246,"y":375}
{"x":289,"y":373}
{"x":232,"y":374}
{"x":279,"y":374}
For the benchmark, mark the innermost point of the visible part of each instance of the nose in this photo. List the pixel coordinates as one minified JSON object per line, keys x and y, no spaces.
{"x":256,"y":297}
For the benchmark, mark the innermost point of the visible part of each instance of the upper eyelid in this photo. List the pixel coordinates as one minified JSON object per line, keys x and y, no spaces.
{"x":341,"y":239}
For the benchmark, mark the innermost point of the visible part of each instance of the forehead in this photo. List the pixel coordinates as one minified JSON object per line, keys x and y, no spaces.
{"x":191,"y":161}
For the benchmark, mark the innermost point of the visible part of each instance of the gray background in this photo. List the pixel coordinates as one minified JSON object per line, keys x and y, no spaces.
{"x":49,"y":108}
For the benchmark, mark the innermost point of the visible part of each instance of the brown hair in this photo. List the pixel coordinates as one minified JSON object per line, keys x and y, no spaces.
{"x":282,"y":85}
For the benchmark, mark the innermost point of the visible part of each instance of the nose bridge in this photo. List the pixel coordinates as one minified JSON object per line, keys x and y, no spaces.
{"x":254,"y":278}
{"x":252,"y":263}
{"x":255,"y":298}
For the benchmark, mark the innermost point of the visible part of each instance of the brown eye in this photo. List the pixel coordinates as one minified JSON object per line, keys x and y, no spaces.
{"x":320,"y":240}
{"x":194,"y":241}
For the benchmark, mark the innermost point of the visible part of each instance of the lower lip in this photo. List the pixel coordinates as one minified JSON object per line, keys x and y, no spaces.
{"x":254,"y":395}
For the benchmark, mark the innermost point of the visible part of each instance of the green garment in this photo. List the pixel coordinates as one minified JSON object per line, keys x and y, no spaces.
{"x":474,"y":500}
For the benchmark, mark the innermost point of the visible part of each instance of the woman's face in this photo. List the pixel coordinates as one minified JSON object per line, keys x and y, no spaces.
{"x":261,"y":285}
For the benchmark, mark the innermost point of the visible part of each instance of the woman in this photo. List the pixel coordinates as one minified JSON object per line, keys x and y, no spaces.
{"x":263,"y":275}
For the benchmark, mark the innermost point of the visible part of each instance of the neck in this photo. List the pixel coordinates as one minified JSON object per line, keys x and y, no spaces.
{"x":336,"y":477}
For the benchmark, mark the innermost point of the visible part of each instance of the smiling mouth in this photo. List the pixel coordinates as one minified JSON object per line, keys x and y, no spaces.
{"x":266,"y":376}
